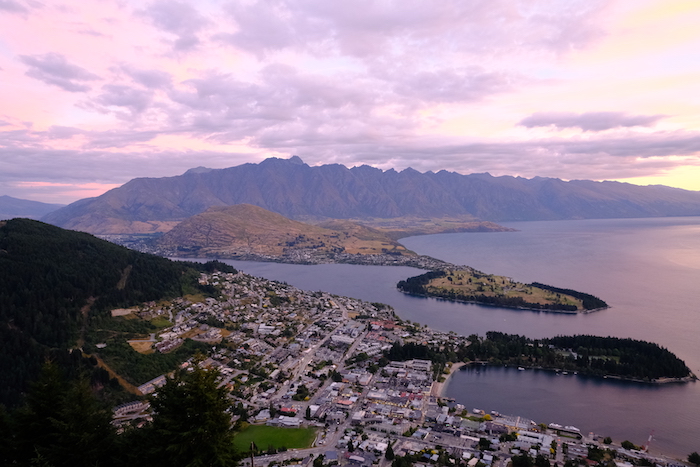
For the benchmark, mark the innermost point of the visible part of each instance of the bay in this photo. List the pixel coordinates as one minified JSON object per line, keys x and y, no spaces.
{"x":648,"y":270}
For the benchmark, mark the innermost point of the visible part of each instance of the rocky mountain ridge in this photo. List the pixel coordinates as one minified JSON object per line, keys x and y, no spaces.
{"x":298,"y":191}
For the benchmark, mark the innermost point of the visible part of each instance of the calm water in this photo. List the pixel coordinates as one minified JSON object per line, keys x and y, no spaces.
{"x":648,"y":270}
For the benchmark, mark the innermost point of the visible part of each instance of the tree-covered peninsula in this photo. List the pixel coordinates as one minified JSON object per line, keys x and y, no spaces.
{"x":469,"y":285}
{"x":56,"y":289}
{"x":593,"y":355}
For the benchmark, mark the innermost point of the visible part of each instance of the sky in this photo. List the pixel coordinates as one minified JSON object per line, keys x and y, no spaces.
{"x":94,"y":93}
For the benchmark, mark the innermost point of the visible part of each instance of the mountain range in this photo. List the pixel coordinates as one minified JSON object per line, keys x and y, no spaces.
{"x":296,"y":190}
{"x":14,"y":207}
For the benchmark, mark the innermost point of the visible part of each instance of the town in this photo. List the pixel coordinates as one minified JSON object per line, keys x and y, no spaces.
{"x":292,"y":358}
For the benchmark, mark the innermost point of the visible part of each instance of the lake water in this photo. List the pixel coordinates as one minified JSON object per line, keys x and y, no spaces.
{"x":648,"y":270}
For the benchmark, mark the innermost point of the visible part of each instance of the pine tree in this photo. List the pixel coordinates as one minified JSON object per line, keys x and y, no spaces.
{"x":61,"y":424}
{"x":389,"y":454}
{"x":6,"y":440}
{"x":191,"y":423}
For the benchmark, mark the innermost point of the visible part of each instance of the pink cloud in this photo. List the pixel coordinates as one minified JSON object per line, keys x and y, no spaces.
{"x":101,"y":92}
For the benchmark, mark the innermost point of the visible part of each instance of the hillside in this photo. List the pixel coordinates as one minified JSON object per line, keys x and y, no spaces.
{"x":245,"y":229}
{"x":298,"y":191}
{"x":14,"y":207}
{"x":56,"y":287}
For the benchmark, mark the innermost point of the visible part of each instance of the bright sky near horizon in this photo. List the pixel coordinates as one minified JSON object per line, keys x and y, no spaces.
{"x":95,"y":93}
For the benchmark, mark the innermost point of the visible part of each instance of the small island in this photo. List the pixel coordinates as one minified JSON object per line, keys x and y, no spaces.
{"x":466,"y":284}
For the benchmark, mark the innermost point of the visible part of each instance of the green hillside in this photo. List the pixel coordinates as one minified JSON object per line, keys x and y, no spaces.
{"x":57,"y":286}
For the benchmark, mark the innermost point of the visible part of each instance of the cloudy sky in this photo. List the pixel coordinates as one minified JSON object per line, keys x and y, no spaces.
{"x":94,"y":93}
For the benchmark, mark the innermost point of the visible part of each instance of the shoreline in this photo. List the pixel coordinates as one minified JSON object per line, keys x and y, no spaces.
{"x":524,"y":308}
{"x":438,"y":389}
{"x":659,"y":381}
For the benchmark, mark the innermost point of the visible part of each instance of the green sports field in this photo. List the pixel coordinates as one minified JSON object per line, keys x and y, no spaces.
{"x":265,"y":436}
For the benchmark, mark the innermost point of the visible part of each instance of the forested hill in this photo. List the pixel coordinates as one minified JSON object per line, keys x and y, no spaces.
{"x":592,"y":355}
{"x":55,"y":284}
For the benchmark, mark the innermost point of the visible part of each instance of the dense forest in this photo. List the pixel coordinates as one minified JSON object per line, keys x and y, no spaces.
{"x":602,"y":356}
{"x":61,"y":423}
{"x":57,"y":286}
{"x":419,"y":285}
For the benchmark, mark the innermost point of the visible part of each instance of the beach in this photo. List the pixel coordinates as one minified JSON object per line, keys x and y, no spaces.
{"x":438,"y":388}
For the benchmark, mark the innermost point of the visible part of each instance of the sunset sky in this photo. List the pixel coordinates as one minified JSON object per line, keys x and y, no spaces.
{"x":94,"y":93}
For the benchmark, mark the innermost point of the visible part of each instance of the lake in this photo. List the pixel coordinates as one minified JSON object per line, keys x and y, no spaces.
{"x":648,"y":270}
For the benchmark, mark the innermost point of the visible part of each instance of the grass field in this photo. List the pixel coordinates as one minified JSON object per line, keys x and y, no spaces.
{"x":471,"y":282}
{"x":265,"y":436}
{"x":144,"y":347}
{"x":161,"y":322}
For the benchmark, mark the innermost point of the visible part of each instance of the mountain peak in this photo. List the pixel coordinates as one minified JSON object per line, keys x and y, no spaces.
{"x":296,"y":160}
{"x":198,"y":170}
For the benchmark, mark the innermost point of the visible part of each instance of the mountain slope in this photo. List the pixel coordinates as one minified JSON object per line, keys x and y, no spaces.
{"x":14,"y":207}
{"x":58,"y":285}
{"x":246,"y":229}
{"x":298,"y":191}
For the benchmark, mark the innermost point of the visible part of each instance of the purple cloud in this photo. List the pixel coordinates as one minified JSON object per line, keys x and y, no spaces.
{"x":450,"y":85}
{"x":178,"y":18}
{"x":367,"y":28}
{"x":12,"y":6}
{"x":54,"y":69}
{"x":119,"y":138}
{"x":63,"y":132}
{"x":154,"y":79}
{"x":136,"y":100}
{"x":589,"y":121}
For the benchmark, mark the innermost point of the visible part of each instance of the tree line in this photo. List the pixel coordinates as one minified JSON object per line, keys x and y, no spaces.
{"x":593,"y":355}
{"x":590,"y":302}
{"x":61,"y":424}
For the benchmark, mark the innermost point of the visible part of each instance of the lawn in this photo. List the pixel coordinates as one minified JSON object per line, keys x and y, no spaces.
{"x":161,"y":322}
{"x":270,"y":436}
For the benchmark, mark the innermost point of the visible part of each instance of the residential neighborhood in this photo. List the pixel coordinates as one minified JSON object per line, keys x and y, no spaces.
{"x":294,"y":359}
